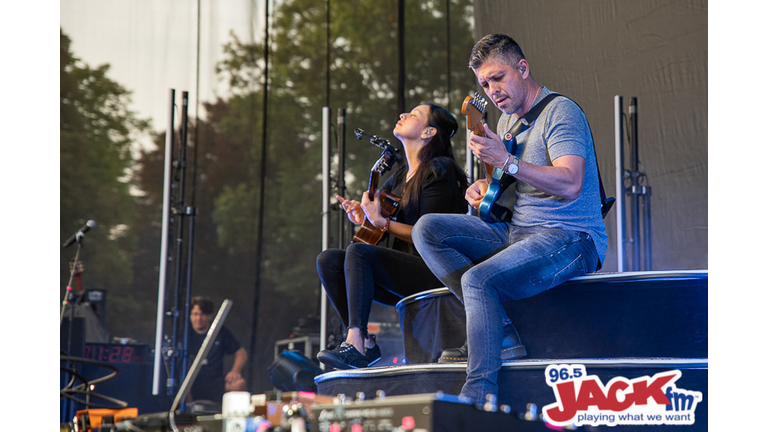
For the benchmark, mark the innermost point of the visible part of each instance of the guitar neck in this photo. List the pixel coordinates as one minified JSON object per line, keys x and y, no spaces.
{"x":478,"y":130}
{"x":473,"y":108}
{"x":373,"y":183}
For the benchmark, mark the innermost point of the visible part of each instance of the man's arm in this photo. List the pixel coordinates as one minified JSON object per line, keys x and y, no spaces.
{"x":563,"y":179}
{"x":234,"y":379}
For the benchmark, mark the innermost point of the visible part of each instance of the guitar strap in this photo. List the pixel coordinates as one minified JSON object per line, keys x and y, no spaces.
{"x":523,"y":123}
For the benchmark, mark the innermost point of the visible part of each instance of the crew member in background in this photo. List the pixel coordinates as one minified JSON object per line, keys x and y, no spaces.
{"x":211,"y":382}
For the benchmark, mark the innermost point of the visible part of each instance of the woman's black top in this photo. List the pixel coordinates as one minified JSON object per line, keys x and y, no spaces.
{"x":441,"y":192}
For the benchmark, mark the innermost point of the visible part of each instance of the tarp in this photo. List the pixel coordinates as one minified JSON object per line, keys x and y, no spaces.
{"x":656,"y":51}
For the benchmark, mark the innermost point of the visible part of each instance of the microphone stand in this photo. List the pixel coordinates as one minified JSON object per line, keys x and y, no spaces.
{"x":70,"y":298}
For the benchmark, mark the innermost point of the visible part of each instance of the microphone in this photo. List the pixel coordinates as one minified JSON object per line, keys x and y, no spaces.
{"x":79,"y":234}
{"x":375,"y":140}
{"x":380,"y":143}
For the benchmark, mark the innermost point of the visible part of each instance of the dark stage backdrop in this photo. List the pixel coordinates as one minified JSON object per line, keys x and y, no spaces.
{"x":653,"y":50}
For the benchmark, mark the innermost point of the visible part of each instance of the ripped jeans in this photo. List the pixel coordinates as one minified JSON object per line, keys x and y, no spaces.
{"x":488,"y":264}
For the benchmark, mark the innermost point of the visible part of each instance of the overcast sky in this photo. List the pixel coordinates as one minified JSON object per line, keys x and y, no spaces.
{"x":151,"y":45}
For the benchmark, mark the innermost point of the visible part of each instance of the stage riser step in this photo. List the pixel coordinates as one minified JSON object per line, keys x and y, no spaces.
{"x":651,"y":314}
{"x":521,"y":383}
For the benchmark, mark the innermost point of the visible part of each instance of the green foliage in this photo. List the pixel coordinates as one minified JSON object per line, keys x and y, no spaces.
{"x":97,"y":132}
{"x":233,"y":214}
{"x":228,"y":146}
{"x":363,"y":80}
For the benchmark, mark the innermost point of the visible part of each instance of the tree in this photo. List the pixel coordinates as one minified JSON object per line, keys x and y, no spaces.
{"x":363,"y":81}
{"x":226,"y":155}
{"x":97,"y":132}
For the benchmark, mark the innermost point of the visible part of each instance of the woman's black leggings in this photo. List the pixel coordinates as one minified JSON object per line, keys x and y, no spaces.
{"x":356,"y":277}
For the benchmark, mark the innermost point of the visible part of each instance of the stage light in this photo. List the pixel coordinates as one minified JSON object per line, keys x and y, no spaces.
{"x":292,"y":371}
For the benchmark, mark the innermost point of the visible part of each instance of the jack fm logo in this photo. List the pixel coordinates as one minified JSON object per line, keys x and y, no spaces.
{"x":584,"y":400}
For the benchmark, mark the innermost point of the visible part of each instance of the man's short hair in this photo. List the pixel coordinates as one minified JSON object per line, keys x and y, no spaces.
{"x":204,"y":303}
{"x":495,"y":46}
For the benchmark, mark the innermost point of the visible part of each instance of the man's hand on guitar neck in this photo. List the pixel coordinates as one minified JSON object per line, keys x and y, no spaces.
{"x":489,"y":148}
{"x":476,"y":192}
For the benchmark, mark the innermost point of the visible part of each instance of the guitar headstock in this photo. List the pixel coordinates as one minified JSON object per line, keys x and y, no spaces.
{"x":474,"y":108}
{"x":385,"y":163}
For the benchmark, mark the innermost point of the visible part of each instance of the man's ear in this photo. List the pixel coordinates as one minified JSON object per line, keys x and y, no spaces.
{"x":523,"y":67}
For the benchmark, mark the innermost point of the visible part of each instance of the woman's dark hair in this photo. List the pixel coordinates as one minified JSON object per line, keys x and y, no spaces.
{"x":439,"y":146}
{"x":495,"y":46}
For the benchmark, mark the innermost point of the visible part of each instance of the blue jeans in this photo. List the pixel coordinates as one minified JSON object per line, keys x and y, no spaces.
{"x":488,"y":264}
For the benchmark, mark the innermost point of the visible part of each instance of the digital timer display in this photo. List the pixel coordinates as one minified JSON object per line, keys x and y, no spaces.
{"x":117,"y":353}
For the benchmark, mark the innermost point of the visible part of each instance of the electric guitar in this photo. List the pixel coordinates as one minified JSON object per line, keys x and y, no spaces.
{"x":368,"y":233}
{"x":488,"y":209}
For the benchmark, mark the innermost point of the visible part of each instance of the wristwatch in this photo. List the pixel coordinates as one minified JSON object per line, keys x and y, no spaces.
{"x":512,"y":167}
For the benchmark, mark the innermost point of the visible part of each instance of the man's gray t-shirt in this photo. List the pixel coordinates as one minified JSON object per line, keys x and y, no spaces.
{"x":561,"y":129}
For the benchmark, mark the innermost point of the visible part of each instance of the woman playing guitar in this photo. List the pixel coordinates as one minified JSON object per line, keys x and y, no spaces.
{"x":430,"y":182}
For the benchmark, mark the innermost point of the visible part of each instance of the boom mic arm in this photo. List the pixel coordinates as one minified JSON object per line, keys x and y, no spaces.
{"x":380,"y":143}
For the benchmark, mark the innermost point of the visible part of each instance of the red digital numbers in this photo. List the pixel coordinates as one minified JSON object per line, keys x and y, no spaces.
{"x":127,"y":356}
{"x":114,"y":353}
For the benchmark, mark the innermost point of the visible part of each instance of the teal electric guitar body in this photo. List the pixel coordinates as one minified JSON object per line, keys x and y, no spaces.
{"x":490,"y":209}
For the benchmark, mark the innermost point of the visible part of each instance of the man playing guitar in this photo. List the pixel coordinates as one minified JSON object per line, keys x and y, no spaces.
{"x":555,"y":230}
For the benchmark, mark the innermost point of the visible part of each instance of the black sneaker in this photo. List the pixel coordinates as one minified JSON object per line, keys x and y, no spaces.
{"x":373,"y":355}
{"x":345,"y":356}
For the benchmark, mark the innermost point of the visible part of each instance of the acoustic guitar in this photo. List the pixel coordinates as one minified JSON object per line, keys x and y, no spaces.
{"x":368,"y":233}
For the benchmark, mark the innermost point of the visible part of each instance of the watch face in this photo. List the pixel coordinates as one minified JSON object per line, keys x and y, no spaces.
{"x":512,"y":169}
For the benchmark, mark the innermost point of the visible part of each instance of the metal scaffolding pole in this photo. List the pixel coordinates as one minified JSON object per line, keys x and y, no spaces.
{"x":638,"y":191}
{"x":326,"y":215}
{"x":162,"y":279}
{"x":619,"y":142}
